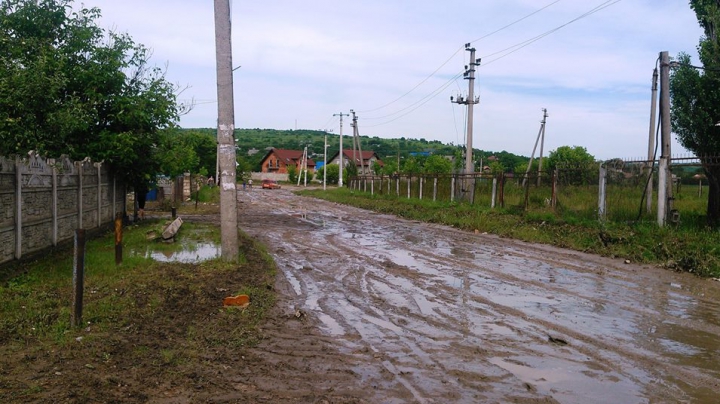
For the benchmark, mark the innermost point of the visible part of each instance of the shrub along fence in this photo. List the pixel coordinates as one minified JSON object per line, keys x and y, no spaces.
{"x":616,"y":190}
{"x":44,"y":200}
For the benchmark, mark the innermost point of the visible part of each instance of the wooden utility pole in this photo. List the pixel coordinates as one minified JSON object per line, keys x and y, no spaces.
{"x":340,"y":180}
{"x":226,"y":128}
{"x":665,"y":192}
{"x":651,"y":142}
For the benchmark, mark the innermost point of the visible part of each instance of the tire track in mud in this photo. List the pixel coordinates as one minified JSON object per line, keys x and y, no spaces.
{"x":460,"y":317}
{"x":615,"y":358}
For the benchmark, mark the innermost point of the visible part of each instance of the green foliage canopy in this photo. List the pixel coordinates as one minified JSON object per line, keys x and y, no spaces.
{"x":695,"y":106}
{"x":69,"y":87}
{"x":569,"y":156}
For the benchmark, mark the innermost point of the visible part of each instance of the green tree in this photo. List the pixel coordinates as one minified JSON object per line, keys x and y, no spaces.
{"x":243,"y":169}
{"x":351,"y":170}
{"x":437,"y":165}
{"x":333,"y":173}
{"x":568,"y":156}
{"x":496,"y":168}
{"x":69,"y":87}
{"x":176,"y":157}
{"x":412,"y":166}
{"x":292,"y":173}
{"x":574,"y":163}
{"x":695,"y":103}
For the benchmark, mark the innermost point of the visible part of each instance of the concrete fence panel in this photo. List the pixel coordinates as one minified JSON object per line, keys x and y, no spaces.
{"x":43,"y":201}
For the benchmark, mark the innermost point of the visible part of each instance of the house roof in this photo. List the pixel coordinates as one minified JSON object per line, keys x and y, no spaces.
{"x":287,"y":156}
{"x":366,"y":155}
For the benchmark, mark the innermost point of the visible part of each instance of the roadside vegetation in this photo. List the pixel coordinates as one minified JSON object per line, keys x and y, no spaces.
{"x":692,"y":249}
{"x":147,"y":326}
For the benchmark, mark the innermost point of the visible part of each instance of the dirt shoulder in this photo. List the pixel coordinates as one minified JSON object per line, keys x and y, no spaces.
{"x":160,"y":334}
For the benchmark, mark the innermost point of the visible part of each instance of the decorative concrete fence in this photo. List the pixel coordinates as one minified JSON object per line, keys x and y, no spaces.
{"x":43,"y":201}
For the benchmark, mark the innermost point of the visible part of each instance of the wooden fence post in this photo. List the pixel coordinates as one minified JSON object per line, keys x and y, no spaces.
{"x":435,"y":180}
{"x":118,"y":238}
{"x":99,"y":194}
{"x":54,"y":204}
{"x":501,"y":197}
{"x":526,"y":182}
{"x":79,"y":164}
{"x":420,"y":184}
{"x":553,"y":201}
{"x":452,"y":188}
{"x":78,"y":278}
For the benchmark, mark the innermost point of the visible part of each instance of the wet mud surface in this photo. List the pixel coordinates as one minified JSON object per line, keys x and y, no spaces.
{"x":396,"y":311}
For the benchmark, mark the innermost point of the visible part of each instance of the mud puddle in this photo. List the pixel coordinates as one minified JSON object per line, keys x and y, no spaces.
{"x":192,"y":244}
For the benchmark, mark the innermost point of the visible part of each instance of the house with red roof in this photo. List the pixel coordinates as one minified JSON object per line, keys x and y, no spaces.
{"x":278,"y":161}
{"x":364,"y":163}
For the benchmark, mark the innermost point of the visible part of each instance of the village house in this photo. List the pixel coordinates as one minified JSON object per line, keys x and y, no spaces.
{"x":278,"y":161}
{"x":364,"y":163}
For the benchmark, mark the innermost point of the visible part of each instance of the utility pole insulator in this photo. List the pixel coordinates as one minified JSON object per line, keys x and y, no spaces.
{"x":470,"y":100}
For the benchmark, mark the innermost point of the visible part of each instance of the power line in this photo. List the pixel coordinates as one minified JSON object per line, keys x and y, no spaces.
{"x":453,"y":55}
{"x":515,"y":22}
{"x":420,"y":103}
{"x":513,"y":49}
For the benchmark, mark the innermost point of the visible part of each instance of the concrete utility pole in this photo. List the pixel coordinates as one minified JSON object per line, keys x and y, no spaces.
{"x":651,"y":141}
{"x":356,"y":142}
{"x":542,"y":144}
{"x":665,"y":194}
{"x":340,"y":180}
{"x":469,"y":101}
{"x":226,"y":127}
{"x":325,"y":164}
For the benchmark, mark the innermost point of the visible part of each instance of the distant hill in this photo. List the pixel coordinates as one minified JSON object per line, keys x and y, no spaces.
{"x":253,"y":143}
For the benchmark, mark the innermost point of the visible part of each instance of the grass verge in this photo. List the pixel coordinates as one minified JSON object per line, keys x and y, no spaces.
{"x":145,"y":323}
{"x":692,"y":250}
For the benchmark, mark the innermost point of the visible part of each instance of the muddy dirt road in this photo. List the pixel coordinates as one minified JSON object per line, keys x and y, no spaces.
{"x":411,"y":312}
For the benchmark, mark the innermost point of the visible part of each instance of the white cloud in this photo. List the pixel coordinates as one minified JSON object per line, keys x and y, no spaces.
{"x":308,"y":60}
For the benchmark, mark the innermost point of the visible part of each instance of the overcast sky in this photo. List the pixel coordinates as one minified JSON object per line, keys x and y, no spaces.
{"x":303,"y":61}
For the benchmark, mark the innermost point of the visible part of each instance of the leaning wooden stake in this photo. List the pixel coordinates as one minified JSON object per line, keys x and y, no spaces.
{"x":118,"y":238}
